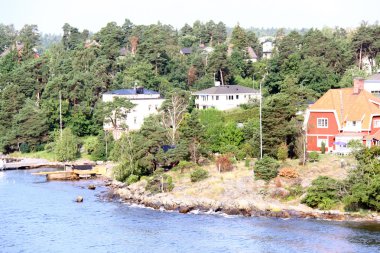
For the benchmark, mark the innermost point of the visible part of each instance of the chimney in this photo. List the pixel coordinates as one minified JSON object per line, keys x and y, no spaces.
{"x":358,"y":84}
{"x":217,"y":83}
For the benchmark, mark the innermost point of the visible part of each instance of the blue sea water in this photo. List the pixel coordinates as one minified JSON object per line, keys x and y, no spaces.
{"x":41,"y":216}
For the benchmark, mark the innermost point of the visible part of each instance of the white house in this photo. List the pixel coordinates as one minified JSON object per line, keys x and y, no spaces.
{"x":372,"y":84}
{"x":146,"y":102}
{"x":224,"y":97}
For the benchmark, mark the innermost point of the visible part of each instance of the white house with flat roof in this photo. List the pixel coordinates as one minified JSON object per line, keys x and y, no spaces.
{"x":224,"y":97}
{"x":372,"y":84}
{"x":146,"y":102}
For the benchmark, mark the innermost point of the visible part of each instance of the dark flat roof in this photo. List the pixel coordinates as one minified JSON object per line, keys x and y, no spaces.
{"x":226,"y":89}
{"x":131,"y":92}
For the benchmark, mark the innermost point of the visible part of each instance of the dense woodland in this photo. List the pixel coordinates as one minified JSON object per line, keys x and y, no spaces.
{"x":82,"y":65}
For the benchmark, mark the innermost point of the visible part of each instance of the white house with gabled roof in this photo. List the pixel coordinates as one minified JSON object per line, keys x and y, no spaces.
{"x":224,"y":97}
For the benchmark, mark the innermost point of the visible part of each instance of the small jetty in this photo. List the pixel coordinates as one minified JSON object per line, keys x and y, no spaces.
{"x":72,"y":171}
{"x":68,"y":174}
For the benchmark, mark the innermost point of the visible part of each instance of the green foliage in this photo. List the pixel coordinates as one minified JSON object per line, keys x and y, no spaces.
{"x":66,"y":147}
{"x":355,"y":146}
{"x":313,"y":156}
{"x":132,"y":179}
{"x":363,"y":183}
{"x":323,"y":193}
{"x":266,"y":168}
{"x":198,"y":175}
{"x":282,"y":152}
{"x":24,"y":148}
{"x":183,"y":165}
{"x":160,"y":182}
{"x":364,"y":194}
{"x":323,"y":148}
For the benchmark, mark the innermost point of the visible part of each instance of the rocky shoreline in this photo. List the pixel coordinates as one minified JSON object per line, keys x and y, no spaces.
{"x":136,"y":194}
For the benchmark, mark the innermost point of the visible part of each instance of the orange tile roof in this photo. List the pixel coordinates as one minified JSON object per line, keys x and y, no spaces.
{"x":349,"y":106}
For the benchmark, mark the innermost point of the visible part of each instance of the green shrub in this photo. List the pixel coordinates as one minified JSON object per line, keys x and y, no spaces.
{"x":323,"y":193}
{"x":364,"y":195}
{"x":49,"y":147}
{"x":89,"y":144}
{"x":313,"y":156}
{"x":160,"y":182}
{"x":295,"y":190}
{"x":247,"y":163}
{"x":266,"y":168}
{"x":282,"y":152}
{"x":182,"y":165}
{"x":132,"y":179}
{"x":323,"y":147}
{"x":24,"y":148}
{"x":198,"y":175}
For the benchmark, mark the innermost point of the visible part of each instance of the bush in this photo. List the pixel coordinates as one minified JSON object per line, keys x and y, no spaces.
{"x":49,"y":147}
{"x":295,"y":190}
{"x":24,"y":148}
{"x":198,"y":175}
{"x":90,"y":144}
{"x":364,"y":195}
{"x":323,"y":148}
{"x":160,"y":182}
{"x":313,"y":156}
{"x":182,"y":165}
{"x":282,"y":152}
{"x":288,"y":173}
{"x":323,"y":193}
{"x":224,"y":163}
{"x":132,"y":179}
{"x":266,"y":168}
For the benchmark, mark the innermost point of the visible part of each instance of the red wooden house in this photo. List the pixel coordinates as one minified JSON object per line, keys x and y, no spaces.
{"x":341,"y":115}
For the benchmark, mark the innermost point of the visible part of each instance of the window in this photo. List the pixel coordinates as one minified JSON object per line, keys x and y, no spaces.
{"x":319,"y":142}
{"x":231,"y":97}
{"x":376,"y":123}
{"x":135,"y":120}
{"x":216,"y":97}
{"x":353,"y":123}
{"x":237,"y":96}
{"x":156,"y":107}
{"x":322,"y":123}
{"x":149,"y":107}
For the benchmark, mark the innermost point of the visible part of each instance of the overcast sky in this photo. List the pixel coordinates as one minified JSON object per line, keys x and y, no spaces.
{"x":50,"y":15}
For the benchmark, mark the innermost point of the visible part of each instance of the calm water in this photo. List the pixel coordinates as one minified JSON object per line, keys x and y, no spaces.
{"x":40,"y":216}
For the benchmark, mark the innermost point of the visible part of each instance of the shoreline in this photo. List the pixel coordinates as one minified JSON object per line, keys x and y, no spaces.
{"x":164,"y":201}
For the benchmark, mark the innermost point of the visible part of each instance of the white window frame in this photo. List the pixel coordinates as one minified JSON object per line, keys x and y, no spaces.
{"x":320,"y":140}
{"x":376,"y":123}
{"x":322,"y":122}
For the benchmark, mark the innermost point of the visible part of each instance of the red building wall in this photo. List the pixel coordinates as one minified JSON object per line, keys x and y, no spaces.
{"x":321,"y":133}
{"x":373,"y":129}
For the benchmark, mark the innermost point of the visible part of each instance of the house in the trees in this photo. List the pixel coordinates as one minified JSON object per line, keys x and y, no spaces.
{"x":146,"y":102}
{"x":342,"y":115}
{"x":251,"y":55}
{"x":224,"y":97}
{"x":372,"y":84}
{"x":267,"y":44}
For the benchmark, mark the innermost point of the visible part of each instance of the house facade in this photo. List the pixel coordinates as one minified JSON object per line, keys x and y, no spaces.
{"x":342,"y":115}
{"x":146,"y":102}
{"x":224,"y":97}
{"x":372,"y":84}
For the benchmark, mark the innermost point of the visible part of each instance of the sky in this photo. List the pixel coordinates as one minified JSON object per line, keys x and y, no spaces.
{"x":50,"y":15}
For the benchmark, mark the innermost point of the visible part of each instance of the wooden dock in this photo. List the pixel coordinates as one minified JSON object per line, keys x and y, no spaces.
{"x":17,"y":164}
{"x":68,"y":175}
